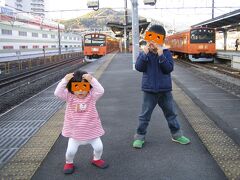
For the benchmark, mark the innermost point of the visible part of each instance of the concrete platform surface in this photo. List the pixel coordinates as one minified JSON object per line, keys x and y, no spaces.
{"x":119,"y":109}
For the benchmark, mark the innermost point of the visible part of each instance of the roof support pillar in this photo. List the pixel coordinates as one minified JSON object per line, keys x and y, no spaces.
{"x":135,"y":32}
{"x":225,"y":39}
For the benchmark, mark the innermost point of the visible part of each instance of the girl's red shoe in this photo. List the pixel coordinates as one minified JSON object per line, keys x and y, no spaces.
{"x":100,"y":163}
{"x":68,"y":168}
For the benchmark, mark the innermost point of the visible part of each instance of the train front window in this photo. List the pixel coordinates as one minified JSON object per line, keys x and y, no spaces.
{"x":88,"y":40}
{"x":202,"y":36}
{"x":98,"y":40}
{"x":95,"y":40}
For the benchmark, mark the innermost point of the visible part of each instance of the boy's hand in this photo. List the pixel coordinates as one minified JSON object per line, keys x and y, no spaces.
{"x":69,"y":76}
{"x":88,"y":77}
{"x":146,"y":49}
{"x":159,"y":50}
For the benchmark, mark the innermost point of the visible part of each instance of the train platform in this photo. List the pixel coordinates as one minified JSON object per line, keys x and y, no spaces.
{"x":229,"y":54}
{"x":208,"y":115}
{"x":229,"y":57}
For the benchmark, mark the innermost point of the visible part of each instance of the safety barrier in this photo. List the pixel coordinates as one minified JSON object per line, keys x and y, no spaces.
{"x":13,"y":67}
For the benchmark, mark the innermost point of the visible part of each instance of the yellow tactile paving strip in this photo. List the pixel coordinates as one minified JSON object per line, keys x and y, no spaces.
{"x":26,"y":161}
{"x":223,"y":149}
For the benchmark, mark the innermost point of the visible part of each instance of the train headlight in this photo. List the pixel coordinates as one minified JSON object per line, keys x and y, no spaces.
{"x":95,"y":49}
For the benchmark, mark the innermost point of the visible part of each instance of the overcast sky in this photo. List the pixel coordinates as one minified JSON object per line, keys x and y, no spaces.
{"x":178,"y":13}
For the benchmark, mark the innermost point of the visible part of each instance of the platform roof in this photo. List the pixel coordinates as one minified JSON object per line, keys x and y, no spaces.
{"x":226,"y":21}
{"x":118,"y":28}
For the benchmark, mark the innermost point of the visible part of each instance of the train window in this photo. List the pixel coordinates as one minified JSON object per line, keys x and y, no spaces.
{"x":101,"y":36}
{"x":185,"y":40}
{"x":87,"y":40}
{"x":6,"y":32}
{"x":194,"y":36}
{"x":7,"y":47}
{"x":94,"y":40}
{"x":23,"y":47}
{"x":34,"y":34}
{"x":202,"y":36}
{"x":22,"y":33}
{"x":99,"y":41}
{"x":44,"y":36}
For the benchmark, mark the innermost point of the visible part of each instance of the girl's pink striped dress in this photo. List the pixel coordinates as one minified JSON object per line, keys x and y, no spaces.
{"x":81,"y":120}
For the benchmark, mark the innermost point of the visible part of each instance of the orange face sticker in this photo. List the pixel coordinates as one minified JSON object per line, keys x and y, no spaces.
{"x":152,"y":36}
{"x":80,"y":86}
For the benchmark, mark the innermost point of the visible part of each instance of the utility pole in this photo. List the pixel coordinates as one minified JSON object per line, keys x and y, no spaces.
{"x":59,"y":40}
{"x":125,"y":26}
{"x":135,"y":31}
{"x":212,"y":9}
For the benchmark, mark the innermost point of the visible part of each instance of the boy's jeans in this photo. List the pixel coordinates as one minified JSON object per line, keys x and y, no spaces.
{"x":165,"y":101}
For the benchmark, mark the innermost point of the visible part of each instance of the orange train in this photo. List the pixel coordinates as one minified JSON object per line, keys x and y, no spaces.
{"x":196,"y":44}
{"x":96,"y":45}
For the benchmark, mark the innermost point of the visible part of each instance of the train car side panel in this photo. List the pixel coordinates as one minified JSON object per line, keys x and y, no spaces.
{"x":197,"y":44}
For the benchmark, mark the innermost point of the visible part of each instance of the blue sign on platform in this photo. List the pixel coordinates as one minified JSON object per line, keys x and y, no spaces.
{"x":6,"y":11}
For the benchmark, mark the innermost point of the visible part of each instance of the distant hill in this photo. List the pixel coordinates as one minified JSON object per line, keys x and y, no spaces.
{"x":96,"y":19}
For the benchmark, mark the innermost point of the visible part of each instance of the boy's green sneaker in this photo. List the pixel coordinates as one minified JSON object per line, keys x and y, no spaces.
{"x":181,"y":140}
{"x":138,"y":144}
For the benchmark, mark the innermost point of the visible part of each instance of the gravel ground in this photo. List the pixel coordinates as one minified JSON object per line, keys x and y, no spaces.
{"x":29,"y":89}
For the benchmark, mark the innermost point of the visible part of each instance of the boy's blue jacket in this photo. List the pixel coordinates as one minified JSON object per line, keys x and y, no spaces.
{"x":156,"y":71}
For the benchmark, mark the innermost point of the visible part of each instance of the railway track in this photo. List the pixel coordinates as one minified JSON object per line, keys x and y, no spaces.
{"x":9,"y":80}
{"x":16,"y":89}
{"x":223,"y":69}
{"x":23,"y":76}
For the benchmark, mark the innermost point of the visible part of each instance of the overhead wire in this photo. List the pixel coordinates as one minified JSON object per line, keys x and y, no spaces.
{"x":140,"y":8}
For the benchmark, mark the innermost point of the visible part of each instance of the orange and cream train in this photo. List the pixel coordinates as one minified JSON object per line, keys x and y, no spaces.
{"x":195,"y":44}
{"x":96,"y":45}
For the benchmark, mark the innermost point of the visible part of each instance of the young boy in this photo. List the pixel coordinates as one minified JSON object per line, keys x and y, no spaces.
{"x":156,"y":63}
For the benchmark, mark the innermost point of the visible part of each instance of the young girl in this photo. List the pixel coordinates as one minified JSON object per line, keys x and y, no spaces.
{"x":82,"y":124}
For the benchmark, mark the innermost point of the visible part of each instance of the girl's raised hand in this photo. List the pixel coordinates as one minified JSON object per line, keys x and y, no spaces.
{"x":88,"y":77}
{"x":69,"y":76}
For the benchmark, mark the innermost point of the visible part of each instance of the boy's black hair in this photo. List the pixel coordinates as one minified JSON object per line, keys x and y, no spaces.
{"x":157,"y":29}
{"x":77,"y":77}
